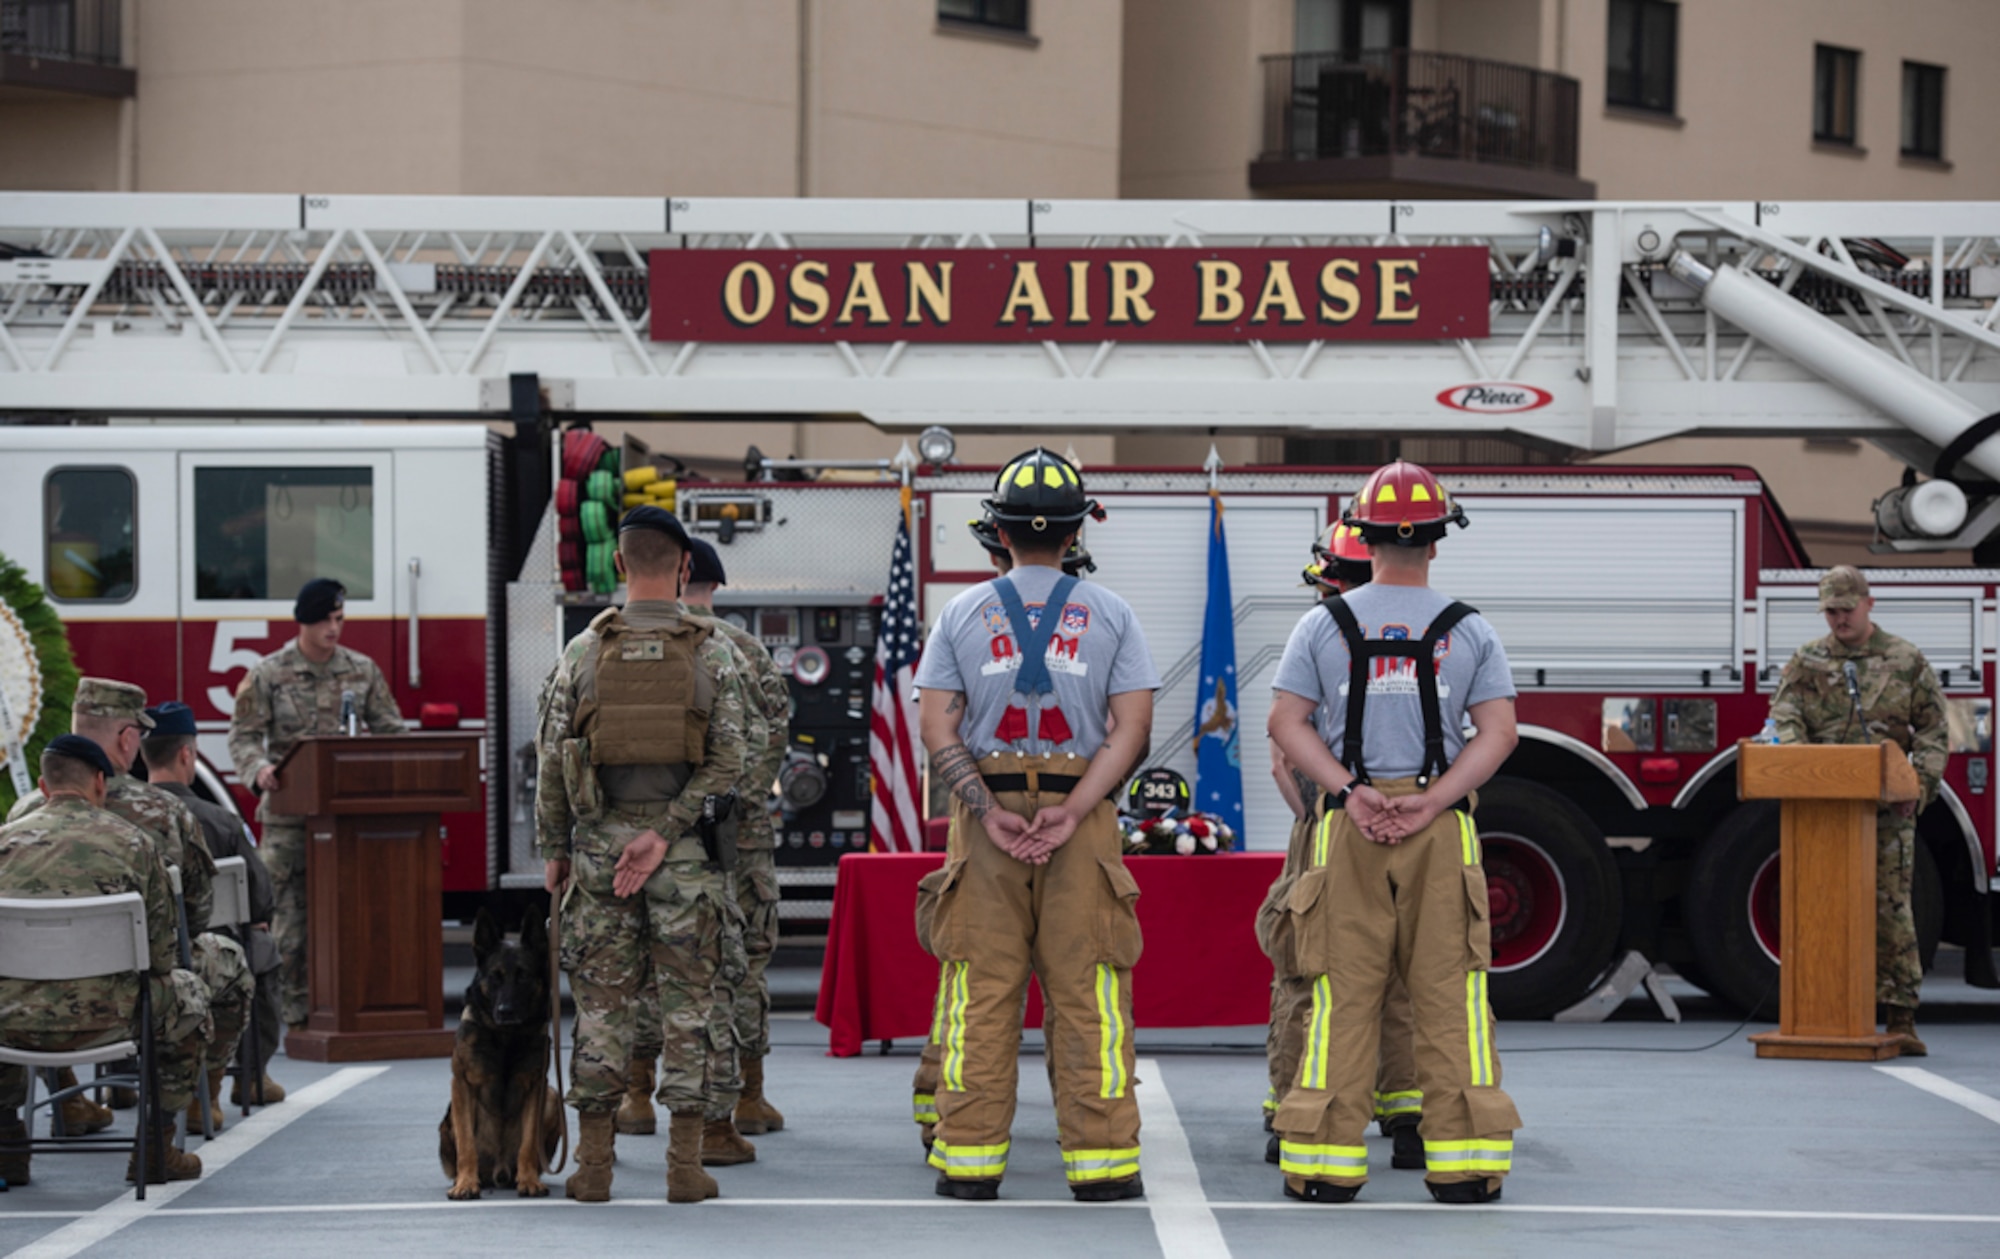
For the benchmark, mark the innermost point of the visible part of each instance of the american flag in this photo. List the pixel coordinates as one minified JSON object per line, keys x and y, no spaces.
{"x":893,"y":825}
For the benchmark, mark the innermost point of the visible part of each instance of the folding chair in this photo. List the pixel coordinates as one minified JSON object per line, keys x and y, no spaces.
{"x":83,"y":937}
{"x":232,"y":909}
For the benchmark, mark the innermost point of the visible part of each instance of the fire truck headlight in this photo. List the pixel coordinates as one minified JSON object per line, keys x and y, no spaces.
{"x":936,"y":445}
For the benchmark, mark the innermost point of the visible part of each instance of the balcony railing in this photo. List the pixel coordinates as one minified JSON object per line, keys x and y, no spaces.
{"x":62,"y":30}
{"x":1398,"y":103}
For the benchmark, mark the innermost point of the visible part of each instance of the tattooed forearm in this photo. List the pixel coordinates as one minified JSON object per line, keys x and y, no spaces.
{"x":1308,"y":789}
{"x":959,"y":772}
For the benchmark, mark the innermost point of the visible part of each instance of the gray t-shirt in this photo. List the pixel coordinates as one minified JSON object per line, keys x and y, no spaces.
{"x":1472,"y":668}
{"x":1097,"y":651}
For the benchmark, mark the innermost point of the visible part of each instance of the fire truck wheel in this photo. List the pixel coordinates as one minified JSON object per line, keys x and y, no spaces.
{"x":1553,"y":892}
{"x":1731,"y":908}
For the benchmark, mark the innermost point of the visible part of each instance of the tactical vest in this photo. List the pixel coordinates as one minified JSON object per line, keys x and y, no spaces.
{"x":652,"y":697}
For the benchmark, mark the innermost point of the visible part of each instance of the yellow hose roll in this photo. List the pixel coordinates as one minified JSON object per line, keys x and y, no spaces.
{"x":640,"y":478}
{"x":638,"y":500}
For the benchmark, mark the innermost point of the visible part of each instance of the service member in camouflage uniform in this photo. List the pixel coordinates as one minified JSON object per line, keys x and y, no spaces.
{"x":70,"y":846}
{"x":113,"y":716}
{"x":169,"y":750}
{"x":293,"y":692}
{"x":1900,"y":700}
{"x":641,"y":722}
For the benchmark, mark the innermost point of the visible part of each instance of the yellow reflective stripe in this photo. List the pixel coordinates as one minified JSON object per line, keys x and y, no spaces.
{"x":1468,"y":838}
{"x":1405,"y":1102}
{"x":923,"y":1106}
{"x":937,"y":1004}
{"x":1478,"y":1028}
{"x":1081,"y":1165}
{"x":954,"y":1027}
{"x":1323,"y":839}
{"x":1110,"y":1034}
{"x":1270,"y":1097}
{"x":1312,"y":1074}
{"x":969,"y":1161}
{"x":1491,"y":1154}
{"x":1301,"y":1159}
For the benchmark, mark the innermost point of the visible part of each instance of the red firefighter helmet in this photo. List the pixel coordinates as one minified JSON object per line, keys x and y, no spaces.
{"x":1340,"y":560}
{"x":1402,"y":504}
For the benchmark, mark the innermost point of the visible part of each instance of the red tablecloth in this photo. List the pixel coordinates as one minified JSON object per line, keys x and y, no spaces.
{"x":1201,"y":967}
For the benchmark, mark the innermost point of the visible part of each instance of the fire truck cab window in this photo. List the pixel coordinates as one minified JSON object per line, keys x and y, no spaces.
{"x":90,"y":534}
{"x":261,"y":533}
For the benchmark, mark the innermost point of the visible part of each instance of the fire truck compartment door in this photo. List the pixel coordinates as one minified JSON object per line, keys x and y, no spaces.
{"x":1943,"y":621}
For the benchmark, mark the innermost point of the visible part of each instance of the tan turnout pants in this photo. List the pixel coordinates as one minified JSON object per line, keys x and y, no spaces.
{"x":1072,"y":924}
{"x":1398,"y":1099}
{"x":1360,"y":913}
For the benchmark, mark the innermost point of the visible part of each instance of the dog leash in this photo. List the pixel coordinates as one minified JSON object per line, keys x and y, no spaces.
{"x":555,"y":1016}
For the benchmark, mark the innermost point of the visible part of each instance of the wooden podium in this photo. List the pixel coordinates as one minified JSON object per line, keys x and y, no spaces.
{"x":1826,"y":984}
{"x":374,"y":887}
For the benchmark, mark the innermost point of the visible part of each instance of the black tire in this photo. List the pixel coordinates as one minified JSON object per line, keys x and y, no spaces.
{"x":1732,"y":916}
{"x":1554,"y":892}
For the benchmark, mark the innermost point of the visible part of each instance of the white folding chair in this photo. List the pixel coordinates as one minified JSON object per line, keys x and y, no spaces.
{"x":83,"y":937}
{"x":232,"y":909}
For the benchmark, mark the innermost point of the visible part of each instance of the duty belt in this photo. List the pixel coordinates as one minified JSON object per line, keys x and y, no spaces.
{"x":1043,"y":782}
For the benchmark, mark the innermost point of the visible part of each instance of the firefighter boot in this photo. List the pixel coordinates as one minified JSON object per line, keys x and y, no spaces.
{"x":1407,"y":1152}
{"x":635,"y":1109}
{"x":723,"y":1146}
{"x":274,"y":1092}
{"x":754,"y":1115}
{"x":591,"y":1181}
{"x":80,"y":1115}
{"x":1902,"y":1024}
{"x":13,"y":1163}
{"x":1323,"y":1191}
{"x":686,"y":1182}
{"x":163,"y":1162}
{"x":1465,"y":1192}
{"x":214,"y":1105}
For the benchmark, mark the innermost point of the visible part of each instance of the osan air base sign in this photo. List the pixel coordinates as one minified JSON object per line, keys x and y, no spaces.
{"x":1002,"y":295}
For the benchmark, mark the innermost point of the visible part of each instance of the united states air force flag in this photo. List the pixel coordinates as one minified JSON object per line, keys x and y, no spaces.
{"x":1218,"y":749}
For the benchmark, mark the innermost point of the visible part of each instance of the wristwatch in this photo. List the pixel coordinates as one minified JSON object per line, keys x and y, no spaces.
{"x":1340,"y":797}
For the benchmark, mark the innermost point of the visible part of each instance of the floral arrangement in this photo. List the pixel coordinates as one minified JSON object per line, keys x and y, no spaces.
{"x":1197,"y":833}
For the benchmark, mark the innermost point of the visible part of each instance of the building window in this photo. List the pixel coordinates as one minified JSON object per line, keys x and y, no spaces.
{"x":261,"y":533}
{"x":1923,"y":110}
{"x":1640,"y":54}
{"x":1836,"y":94}
{"x":1005,"y":15}
{"x":90,"y":534}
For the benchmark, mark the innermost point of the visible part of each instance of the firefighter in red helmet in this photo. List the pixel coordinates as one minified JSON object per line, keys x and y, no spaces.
{"x":1340,"y":565}
{"x":1371,"y":700}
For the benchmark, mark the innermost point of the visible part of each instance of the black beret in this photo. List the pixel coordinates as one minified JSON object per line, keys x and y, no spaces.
{"x":78,"y":748}
{"x":658,"y":519}
{"x":318,"y":599}
{"x":707,"y":564}
{"x":170,"y":719}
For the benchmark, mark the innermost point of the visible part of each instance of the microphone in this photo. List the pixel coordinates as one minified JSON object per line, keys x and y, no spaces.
{"x":348,"y":720}
{"x":1853,"y":685}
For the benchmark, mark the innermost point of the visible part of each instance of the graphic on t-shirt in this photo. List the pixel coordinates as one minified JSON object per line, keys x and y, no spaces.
{"x":1062,"y":654}
{"x":1397,"y":675}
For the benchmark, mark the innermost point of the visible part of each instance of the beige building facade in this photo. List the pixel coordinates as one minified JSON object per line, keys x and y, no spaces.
{"x":1226,"y":99}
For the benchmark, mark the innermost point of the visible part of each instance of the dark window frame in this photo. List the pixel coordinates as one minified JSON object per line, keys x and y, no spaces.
{"x":309,"y":475}
{"x":1935,"y":77}
{"x":48,"y":539}
{"x":1827,"y":59}
{"x":983,"y":17}
{"x":1637,"y":95}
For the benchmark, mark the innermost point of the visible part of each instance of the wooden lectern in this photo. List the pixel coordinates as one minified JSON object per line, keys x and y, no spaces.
{"x":374,"y":887}
{"x":1826,"y":933}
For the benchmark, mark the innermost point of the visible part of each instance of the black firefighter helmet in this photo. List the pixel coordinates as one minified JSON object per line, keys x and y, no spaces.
{"x":1076,"y":561}
{"x":1039,"y":495}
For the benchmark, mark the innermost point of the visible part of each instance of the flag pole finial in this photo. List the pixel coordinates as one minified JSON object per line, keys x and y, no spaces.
{"x":1213,"y":465}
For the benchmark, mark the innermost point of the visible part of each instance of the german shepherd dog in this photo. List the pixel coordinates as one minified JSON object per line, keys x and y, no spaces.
{"x":504,"y":1119}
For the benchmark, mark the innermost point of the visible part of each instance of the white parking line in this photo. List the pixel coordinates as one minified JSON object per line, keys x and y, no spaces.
{"x":1187,"y":1229}
{"x":1930,"y":1082}
{"x":243,"y":1137}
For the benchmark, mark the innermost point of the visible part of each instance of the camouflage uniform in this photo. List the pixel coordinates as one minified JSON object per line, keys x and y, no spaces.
{"x":69,"y":848}
{"x":1900,"y":701}
{"x":228,"y":836}
{"x":681,"y":921}
{"x":281,"y":700}
{"x":175,"y":833}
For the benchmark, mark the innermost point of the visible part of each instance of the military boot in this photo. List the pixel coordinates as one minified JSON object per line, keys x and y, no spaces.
{"x":754,"y":1115}
{"x":80,"y":1115}
{"x":723,"y":1146}
{"x":241,"y":1094}
{"x":163,"y":1162}
{"x":635,"y":1109}
{"x":1902,"y":1024}
{"x":214,"y":1105}
{"x":13,"y":1163}
{"x":686,"y":1182}
{"x":591,"y":1181}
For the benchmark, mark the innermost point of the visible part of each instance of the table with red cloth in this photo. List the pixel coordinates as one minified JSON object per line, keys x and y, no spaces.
{"x":1201,"y":966}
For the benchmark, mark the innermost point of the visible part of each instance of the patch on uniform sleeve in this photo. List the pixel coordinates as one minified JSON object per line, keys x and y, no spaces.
{"x":646,"y":649}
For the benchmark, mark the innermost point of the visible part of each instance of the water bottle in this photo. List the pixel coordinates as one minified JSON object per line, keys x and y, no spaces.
{"x":1769,"y":734}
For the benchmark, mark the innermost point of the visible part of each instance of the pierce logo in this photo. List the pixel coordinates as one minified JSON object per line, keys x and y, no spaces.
{"x":1495,"y":397}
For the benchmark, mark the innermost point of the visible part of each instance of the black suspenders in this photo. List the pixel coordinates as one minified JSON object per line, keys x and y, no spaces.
{"x":1362,"y":652}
